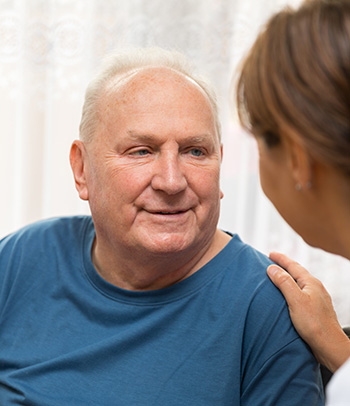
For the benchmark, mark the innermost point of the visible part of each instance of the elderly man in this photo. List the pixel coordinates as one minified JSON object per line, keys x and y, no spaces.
{"x":144,"y":302}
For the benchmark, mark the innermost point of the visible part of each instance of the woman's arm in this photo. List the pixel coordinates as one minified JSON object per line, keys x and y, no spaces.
{"x":311,"y":310}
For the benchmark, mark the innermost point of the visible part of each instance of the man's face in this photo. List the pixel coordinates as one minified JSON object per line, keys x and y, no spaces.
{"x":153,"y":165}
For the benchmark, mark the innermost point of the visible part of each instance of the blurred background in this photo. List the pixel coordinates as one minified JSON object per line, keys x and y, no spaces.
{"x":50,"y":49}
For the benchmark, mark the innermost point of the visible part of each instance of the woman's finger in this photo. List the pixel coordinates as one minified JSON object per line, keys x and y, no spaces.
{"x":285,"y":283}
{"x":298,"y":272}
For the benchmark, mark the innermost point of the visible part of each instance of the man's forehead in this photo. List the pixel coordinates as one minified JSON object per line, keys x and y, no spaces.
{"x":149,"y":76}
{"x":149,"y":86}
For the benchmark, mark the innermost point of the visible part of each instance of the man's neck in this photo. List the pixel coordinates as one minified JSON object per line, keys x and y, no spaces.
{"x":150,"y":272}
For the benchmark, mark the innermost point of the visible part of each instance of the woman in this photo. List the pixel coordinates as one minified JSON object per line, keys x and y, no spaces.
{"x":293,"y":94}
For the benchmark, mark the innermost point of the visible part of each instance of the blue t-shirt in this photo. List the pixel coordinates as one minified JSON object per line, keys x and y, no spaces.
{"x":222,"y":336}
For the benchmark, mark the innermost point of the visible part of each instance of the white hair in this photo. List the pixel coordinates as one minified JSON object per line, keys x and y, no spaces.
{"x":126,"y":61}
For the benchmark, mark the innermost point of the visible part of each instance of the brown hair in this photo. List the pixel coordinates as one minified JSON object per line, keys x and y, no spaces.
{"x":296,"y":80}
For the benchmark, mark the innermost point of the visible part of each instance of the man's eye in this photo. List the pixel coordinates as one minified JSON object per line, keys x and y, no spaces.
{"x":140,"y":152}
{"x":196,"y":152}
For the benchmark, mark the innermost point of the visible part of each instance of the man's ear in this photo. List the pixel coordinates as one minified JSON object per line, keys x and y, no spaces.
{"x":78,"y":162}
{"x":222,"y":155}
{"x":300,"y":163}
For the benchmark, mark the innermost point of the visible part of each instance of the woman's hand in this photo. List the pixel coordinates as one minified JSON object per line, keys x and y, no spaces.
{"x":311,"y":311}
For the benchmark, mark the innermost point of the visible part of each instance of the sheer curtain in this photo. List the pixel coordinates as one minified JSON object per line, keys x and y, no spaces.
{"x":49,"y":50}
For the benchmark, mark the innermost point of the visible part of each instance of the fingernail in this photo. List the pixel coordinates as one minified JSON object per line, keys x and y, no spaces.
{"x":272,"y":270}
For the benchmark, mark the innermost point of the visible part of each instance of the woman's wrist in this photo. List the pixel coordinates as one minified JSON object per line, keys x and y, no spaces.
{"x":335,"y":353}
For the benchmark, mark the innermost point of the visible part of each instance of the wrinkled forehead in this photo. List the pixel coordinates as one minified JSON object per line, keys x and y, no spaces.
{"x":151,"y":77}
{"x":156,"y":86}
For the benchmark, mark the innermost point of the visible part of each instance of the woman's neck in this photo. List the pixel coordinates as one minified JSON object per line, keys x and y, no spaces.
{"x":336,"y":197}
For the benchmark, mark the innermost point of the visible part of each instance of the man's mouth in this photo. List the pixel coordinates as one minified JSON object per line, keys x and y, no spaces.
{"x":170,"y":212}
{"x":167,"y":212}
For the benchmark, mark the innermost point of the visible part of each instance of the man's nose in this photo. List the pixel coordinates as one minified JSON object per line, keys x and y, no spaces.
{"x":169,"y":174}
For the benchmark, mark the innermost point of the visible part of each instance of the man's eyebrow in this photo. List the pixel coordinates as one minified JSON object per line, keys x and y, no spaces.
{"x":194,"y":139}
{"x":199,"y":139}
{"x":133,"y":135}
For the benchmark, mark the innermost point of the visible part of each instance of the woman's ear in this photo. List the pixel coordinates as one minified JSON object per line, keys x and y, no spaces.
{"x":78,"y":163}
{"x":300,"y":164}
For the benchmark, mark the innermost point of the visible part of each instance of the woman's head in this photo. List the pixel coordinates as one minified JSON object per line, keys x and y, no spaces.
{"x":294,"y":95}
{"x":295,"y":81}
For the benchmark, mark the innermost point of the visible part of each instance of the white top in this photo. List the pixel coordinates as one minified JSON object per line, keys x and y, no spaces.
{"x":338,"y":389}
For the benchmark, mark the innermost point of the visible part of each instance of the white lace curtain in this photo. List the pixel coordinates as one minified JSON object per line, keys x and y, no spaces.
{"x":48,"y":52}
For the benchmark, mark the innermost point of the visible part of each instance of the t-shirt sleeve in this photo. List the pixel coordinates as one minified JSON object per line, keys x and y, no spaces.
{"x":278,"y":367}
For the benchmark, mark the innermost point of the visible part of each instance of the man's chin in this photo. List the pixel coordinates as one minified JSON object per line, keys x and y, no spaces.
{"x":167,"y":243}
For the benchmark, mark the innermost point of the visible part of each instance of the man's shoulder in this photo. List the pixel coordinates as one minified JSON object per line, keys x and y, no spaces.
{"x":36,"y":248}
{"x":47,"y":230}
{"x":268,"y":326}
{"x":245,"y":273}
{"x":247,"y":262}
